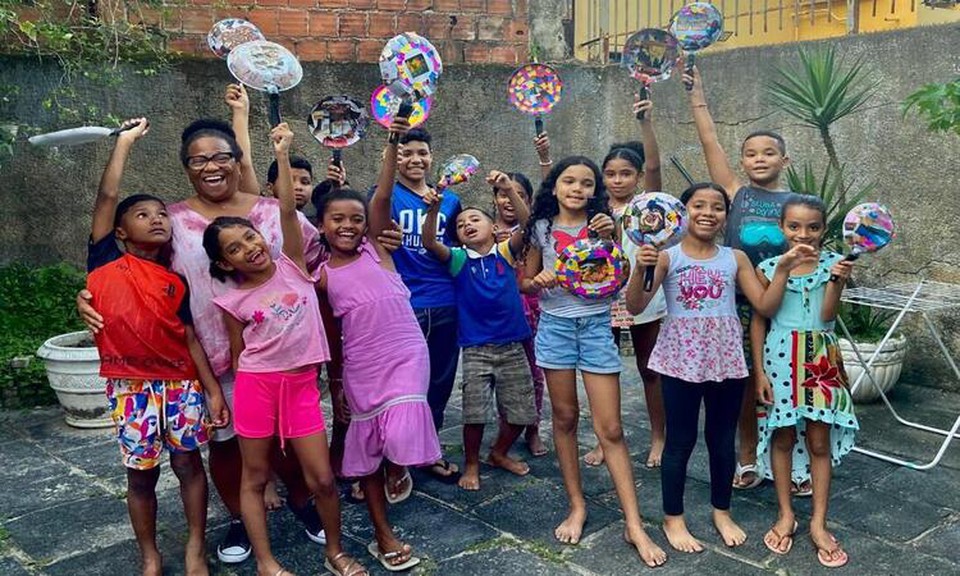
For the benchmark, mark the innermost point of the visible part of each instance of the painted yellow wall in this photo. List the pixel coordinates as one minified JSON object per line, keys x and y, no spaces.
{"x":751,"y":22}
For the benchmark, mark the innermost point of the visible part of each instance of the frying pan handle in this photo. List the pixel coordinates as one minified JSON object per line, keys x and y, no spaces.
{"x":644,"y":95}
{"x":404,"y":111}
{"x":337,"y":158}
{"x":117,"y":131}
{"x":848,"y":258}
{"x":648,"y":278}
{"x":690,"y":64}
{"x":274,"y":108}
{"x":538,"y":124}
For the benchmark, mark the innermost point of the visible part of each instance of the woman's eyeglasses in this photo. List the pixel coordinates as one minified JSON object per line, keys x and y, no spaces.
{"x":200,"y":162}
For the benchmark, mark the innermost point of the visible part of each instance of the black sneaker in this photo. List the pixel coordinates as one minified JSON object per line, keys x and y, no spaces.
{"x":311,"y":522}
{"x":235,"y":547}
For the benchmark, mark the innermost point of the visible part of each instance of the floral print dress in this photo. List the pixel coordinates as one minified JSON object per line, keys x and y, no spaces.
{"x":801,"y":358}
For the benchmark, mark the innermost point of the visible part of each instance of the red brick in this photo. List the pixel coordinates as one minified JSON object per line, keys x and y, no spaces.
{"x":369,"y":50}
{"x":408,"y":22}
{"x":323,"y":24}
{"x":333,"y":3}
{"x":500,"y":7}
{"x":465,"y":28}
{"x":266,"y":19}
{"x":353,"y":24}
{"x":520,"y":8}
{"x":504,"y":55}
{"x":472,"y":5}
{"x":382,"y":25}
{"x":187,"y":45}
{"x":476,"y":53}
{"x":416,"y":5}
{"x":437,"y":26}
{"x":491,"y":28}
{"x":392,"y":5}
{"x":312,"y":50}
{"x":147,"y":17}
{"x":302,"y":3}
{"x":363,"y":4}
{"x":195,"y":20}
{"x":342,"y":50}
{"x":516,"y":31}
{"x":523,"y":52}
{"x":271,"y":2}
{"x":446,"y":5}
{"x":294,"y":23}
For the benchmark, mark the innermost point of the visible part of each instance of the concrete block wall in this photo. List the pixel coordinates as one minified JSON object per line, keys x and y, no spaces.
{"x":465,"y":31}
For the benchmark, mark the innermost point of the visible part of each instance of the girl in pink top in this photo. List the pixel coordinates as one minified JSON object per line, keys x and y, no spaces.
{"x":699,"y":351}
{"x":386,"y":372}
{"x":277,"y":344}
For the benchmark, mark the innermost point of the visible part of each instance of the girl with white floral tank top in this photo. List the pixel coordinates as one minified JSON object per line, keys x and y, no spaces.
{"x":699,"y":352}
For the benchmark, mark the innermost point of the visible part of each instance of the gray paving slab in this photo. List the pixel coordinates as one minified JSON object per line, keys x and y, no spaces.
{"x":943,"y":542}
{"x":10,"y":567}
{"x":499,"y":561}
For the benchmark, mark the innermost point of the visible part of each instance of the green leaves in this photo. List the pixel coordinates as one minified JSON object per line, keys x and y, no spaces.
{"x":821,"y":90}
{"x":938,"y":104}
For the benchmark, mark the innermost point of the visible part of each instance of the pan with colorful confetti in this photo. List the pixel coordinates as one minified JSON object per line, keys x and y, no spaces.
{"x":337,"y":122}
{"x":867,"y":228}
{"x":535,"y":89}
{"x":267,"y":67}
{"x":649,"y":56}
{"x":410,"y":67}
{"x":592,"y":268}
{"x":654,"y":219}
{"x":229,"y":33}
{"x":696,"y":26}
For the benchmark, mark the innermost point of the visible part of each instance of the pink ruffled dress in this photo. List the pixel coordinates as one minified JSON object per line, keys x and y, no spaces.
{"x":386,"y":368}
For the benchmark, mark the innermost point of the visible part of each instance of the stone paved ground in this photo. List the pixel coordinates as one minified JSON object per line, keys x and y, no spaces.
{"x":62,"y":510}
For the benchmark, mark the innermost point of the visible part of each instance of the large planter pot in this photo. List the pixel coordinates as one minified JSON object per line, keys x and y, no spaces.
{"x":73,"y":369}
{"x":885,"y":369}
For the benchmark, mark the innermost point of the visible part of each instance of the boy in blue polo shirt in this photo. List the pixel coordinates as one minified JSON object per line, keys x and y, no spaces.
{"x":492,"y":328}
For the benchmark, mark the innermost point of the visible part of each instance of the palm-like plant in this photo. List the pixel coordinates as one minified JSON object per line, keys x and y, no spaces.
{"x":820,"y":92}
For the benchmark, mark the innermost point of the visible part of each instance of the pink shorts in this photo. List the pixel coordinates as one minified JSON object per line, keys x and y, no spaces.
{"x":277,"y":404}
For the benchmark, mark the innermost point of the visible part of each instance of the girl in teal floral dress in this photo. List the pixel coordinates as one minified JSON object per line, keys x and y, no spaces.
{"x":808,"y":423}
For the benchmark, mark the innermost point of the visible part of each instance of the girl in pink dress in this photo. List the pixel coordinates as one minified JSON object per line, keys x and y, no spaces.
{"x":386,"y":367}
{"x":277,"y":343}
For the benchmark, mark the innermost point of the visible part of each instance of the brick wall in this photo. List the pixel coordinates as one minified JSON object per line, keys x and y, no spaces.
{"x":470,"y":31}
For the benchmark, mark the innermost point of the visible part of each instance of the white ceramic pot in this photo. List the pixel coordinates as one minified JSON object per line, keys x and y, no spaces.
{"x":74,"y":374}
{"x":885,"y":369}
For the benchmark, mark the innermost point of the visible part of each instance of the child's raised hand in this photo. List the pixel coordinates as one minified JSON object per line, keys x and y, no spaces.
{"x":644,"y":106}
{"x":542,"y":144}
{"x":391,"y":238}
{"x":282,"y":137}
{"x":498,"y":179}
{"x":133,"y":130}
{"x":399,"y":126}
{"x":691,"y":79}
{"x":842,"y":269}
{"x":764,"y":389}
{"x":603,"y":225}
{"x":236,"y":98}
{"x":545,"y":279}
{"x":798,"y":256}
{"x":647,"y":255}
{"x":336,"y":174}
{"x":433,"y":199}
{"x":501,"y":234}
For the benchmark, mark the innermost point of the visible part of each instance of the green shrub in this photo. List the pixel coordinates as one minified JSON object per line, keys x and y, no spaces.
{"x":37,"y":303}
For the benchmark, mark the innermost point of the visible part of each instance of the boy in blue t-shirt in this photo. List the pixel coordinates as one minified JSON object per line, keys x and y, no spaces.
{"x":492,"y":329}
{"x":430,"y":285}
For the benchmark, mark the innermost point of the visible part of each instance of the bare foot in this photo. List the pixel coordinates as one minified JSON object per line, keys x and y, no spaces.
{"x":570,"y":530}
{"x":678,"y":536}
{"x":656,"y":453}
{"x":534,"y":443}
{"x":152,"y":565}
{"x":271,"y":499}
{"x":651,"y":554}
{"x":731,"y":533}
{"x":196,"y":560}
{"x":470,"y":479}
{"x":518,"y":467}
{"x":594,"y":457}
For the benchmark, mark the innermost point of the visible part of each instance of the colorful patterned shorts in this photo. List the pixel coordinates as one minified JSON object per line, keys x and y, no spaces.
{"x":151,"y":414}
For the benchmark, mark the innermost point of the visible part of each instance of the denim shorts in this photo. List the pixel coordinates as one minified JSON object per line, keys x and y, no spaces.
{"x":584,"y":343}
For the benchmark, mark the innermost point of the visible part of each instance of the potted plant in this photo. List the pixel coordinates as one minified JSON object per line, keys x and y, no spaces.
{"x":73,"y":370}
{"x":868,"y":326}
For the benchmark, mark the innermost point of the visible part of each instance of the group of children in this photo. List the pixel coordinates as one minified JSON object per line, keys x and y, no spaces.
{"x":393,"y":289}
